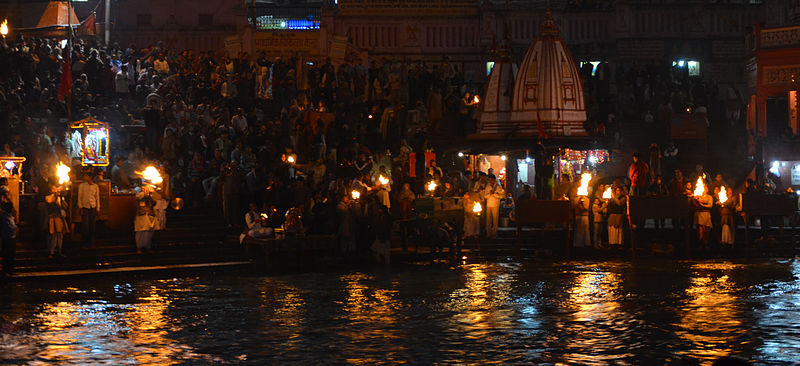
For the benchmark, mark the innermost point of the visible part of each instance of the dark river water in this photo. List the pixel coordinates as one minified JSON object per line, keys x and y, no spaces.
{"x":565,"y":312}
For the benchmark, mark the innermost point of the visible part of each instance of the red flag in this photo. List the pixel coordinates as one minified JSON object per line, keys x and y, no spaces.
{"x":66,"y":80}
{"x":88,"y":27}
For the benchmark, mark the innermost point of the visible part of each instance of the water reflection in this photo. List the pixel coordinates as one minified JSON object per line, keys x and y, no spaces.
{"x":99,"y":332}
{"x":777,"y":316}
{"x":371,"y":313}
{"x":483,"y":301}
{"x":710,"y":316}
{"x":596,"y":321}
{"x":505,"y":313}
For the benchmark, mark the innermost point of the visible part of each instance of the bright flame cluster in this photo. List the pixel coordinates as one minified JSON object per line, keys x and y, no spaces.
{"x":723,"y":194}
{"x":355,"y":194}
{"x":607,"y":193}
{"x":583,"y":190}
{"x":700,"y":187}
{"x":477,"y":208}
{"x":62,"y":173}
{"x":431,"y":186}
{"x":4,"y":28}
{"x":383,"y":180}
{"x":151,"y":175}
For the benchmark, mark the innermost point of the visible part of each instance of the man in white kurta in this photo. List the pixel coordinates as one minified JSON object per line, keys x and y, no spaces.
{"x":493,"y":193}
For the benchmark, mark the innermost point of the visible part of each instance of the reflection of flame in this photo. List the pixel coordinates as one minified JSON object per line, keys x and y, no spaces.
{"x":431,"y":186}
{"x":151,"y":175}
{"x":62,"y":172}
{"x":383,"y":180}
{"x":607,"y":194}
{"x":476,"y":208}
{"x":583,"y":190}
{"x":355,"y":194}
{"x":710,"y":316}
{"x":4,"y":28}
{"x":723,"y":195}
{"x":699,"y":188}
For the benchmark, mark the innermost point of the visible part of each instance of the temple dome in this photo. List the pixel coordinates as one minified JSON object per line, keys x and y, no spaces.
{"x":548,"y":94}
{"x":495,"y":108}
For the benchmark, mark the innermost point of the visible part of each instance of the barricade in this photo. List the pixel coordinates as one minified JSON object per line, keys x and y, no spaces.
{"x":531,"y":212}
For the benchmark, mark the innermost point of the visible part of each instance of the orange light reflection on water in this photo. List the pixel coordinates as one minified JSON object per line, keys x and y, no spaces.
{"x":710,"y":316}
{"x":596,"y":318}
{"x":372,"y":316}
{"x":98,"y":332}
{"x":483,"y":303}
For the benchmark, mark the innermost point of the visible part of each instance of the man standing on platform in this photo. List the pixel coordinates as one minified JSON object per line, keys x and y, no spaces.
{"x":8,"y":236}
{"x":493,"y":193}
{"x":638,"y":174}
{"x":89,"y":204}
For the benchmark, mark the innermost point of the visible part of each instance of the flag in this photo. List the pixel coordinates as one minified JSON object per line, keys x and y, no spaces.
{"x":66,"y":80}
{"x":88,"y":26}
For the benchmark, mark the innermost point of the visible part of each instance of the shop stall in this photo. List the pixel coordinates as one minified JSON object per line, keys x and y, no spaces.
{"x":88,"y":141}
{"x":572,"y":163}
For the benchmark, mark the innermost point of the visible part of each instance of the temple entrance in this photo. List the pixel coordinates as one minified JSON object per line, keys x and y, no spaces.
{"x":777,"y":115}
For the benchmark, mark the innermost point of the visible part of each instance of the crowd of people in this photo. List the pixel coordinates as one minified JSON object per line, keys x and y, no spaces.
{"x":716,"y":205}
{"x":259,"y":135}
{"x":280,"y":134}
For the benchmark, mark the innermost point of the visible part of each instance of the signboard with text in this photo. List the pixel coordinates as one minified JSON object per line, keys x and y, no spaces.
{"x":287,"y":42}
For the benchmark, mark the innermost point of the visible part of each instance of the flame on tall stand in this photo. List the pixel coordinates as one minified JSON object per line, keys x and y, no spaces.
{"x":700,"y":187}
{"x":723,"y":195}
{"x":151,"y":175}
{"x":477,"y":208}
{"x":355,"y":194}
{"x":583,"y":190}
{"x":607,"y":193}
{"x":4,"y":28}
{"x":431,"y":186}
{"x":62,"y":172}
{"x":383,"y":180}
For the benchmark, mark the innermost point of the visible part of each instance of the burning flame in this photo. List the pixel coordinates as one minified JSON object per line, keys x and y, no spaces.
{"x":151,"y":175}
{"x":476,"y":100}
{"x":62,"y":172}
{"x":4,"y":28}
{"x":607,"y":194}
{"x":723,"y":195}
{"x":431,"y":186}
{"x":699,"y":188}
{"x":477,"y":208}
{"x":10,"y":165}
{"x":355,"y":194}
{"x":290,"y":159}
{"x":583,"y":190}
{"x":383,"y":180}
{"x":264,"y":216}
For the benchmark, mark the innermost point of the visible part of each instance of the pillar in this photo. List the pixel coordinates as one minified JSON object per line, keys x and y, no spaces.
{"x":793,"y":111}
{"x":761,"y":115}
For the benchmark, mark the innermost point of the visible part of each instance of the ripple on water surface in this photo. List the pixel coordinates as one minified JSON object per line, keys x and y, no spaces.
{"x":570,"y":312}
